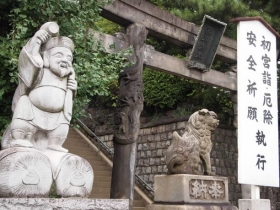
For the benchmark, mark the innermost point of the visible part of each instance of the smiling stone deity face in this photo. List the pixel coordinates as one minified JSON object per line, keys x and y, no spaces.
{"x":60,"y":59}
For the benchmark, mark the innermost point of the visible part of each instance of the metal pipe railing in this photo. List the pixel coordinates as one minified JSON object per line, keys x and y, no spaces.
{"x":99,"y":142}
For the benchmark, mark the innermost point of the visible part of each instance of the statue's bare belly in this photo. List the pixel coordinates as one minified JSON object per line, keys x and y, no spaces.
{"x":48,"y":98}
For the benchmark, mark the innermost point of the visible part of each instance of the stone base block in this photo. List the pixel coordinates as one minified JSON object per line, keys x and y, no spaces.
{"x":187,"y":188}
{"x":190,"y":207}
{"x":63,"y":203}
{"x":254,"y":204}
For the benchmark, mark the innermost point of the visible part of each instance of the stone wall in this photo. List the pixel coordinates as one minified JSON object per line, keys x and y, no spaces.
{"x":155,"y":139}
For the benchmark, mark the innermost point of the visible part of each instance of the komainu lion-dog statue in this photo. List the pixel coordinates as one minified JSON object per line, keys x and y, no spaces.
{"x":190,"y":153}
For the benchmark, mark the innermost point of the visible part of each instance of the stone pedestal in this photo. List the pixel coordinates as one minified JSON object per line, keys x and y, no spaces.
{"x":254,"y":204}
{"x":63,"y":203}
{"x":185,"y":188}
{"x":190,"y":192}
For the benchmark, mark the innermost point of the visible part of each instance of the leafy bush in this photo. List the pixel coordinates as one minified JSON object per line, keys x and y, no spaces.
{"x":163,"y":90}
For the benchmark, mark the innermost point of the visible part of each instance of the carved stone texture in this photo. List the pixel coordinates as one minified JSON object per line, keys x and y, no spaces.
{"x":65,"y":204}
{"x":42,"y":102}
{"x":24,"y":173}
{"x":130,"y":99}
{"x":74,"y":177}
{"x":190,"y":153}
{"x":186,"y":188}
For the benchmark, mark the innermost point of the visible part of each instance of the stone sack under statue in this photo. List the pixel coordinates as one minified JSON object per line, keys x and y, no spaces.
{"x":32,"y":156}
{"x":190,"y":153}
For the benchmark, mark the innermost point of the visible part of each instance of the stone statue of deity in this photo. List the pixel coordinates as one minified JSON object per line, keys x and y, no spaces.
{"x":43,"y":100}
{"x":32,"y":157}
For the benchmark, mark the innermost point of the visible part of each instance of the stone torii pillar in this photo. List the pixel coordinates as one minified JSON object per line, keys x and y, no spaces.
{"x":127,"y":117}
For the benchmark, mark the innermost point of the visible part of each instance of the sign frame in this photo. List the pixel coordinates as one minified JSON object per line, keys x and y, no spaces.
{"x":206,"y":44}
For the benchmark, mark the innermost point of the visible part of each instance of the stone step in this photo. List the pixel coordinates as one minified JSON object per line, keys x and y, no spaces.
{"x":77,"y":142}
{"x":104,"y":196}
{"x":98,"y":190}
{"x":102,"y":168}
{"x":74,"y":147}
{"x":102,"y":173}
{"x":102,"y":184}
{"x":138,"y":203}
{"x":96,"y":163}
{"x":74,"y":136}
{"x":78,"y":148}
{"x":102,"y":178}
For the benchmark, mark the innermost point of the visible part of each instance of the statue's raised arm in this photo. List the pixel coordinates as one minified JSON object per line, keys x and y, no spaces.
{"x":30,"y":59}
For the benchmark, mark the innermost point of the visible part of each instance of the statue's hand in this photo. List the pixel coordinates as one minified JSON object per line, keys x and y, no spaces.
{"x":34,"y":44}
{"x":42,"y":36}
{"x":72,"y":83}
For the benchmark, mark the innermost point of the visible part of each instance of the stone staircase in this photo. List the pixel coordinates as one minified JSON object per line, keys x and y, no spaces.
{"x":76,"y":144}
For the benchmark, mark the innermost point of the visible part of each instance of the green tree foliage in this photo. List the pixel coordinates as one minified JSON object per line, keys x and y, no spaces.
{"x":169,"y":4}
{"x":223,"y":10}
{"x":269,"y":8}
{"x":163,"y":90}
{"x":94,"y":68}
{"x":108,"y":27}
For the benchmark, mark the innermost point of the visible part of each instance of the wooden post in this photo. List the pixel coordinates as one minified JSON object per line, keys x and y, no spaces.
{"x":127,"y":118}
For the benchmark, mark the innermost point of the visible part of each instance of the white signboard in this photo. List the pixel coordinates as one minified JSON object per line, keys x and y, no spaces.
{"x":258,"y":161}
